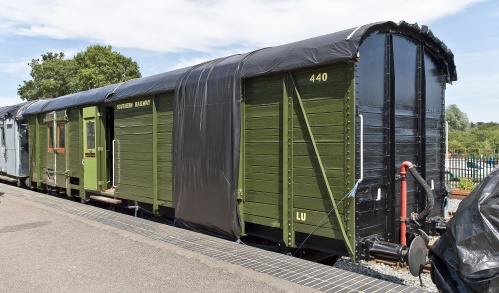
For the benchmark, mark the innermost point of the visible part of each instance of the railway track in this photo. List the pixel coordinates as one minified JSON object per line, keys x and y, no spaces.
{"x":456,"y":194}
{"x":398,"y":266}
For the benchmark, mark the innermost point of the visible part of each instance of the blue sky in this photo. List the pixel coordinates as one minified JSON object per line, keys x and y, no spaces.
{"x":163,"y":36}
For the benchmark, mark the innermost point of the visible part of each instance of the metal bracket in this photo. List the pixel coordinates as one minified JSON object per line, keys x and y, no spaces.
{"x":240,"y":194}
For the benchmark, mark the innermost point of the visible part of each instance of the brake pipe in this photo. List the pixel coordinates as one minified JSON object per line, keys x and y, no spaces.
{"x":430,"y":198}
{"x":403,"y":201}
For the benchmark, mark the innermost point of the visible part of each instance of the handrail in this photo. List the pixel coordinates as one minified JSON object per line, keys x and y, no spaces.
{"x":361,"y":148}
{"x":114,"y":173}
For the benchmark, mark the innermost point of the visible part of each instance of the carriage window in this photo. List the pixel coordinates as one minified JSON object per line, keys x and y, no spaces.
{"x":61,"y":134}
{"x":2,"y":138}
{"x":50,"y":138}
{"x":90,"y":135}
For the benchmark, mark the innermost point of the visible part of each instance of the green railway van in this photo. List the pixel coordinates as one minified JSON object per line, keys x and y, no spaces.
{"x":296,"y":148}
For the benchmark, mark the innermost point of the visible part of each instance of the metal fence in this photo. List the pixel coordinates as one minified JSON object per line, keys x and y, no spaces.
{"x":468,"y":171}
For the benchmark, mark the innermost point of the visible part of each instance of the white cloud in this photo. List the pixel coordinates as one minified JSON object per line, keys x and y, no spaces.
{"x":475,"y":91}
{"x":184,"y":62}
{"x":20,"y":66}
{"x":16,"y":66}
{"x":9,"y":101}
{"x":205,"y":26}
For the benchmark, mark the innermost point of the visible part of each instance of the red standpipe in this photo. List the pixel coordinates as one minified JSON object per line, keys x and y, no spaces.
{"x":403,"y":201}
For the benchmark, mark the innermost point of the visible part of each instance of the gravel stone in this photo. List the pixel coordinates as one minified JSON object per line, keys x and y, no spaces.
{"x":392,"y":274}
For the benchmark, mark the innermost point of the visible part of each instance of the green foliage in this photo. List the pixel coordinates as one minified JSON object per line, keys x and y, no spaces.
{"x":480,"y":140}
{"x":53,"y":76}
{"x":99,"y":66}
{"x":458,"y":121}
{"x":466,"y":184}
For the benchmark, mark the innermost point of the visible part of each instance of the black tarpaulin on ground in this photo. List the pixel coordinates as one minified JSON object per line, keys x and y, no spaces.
{"x":466,"y":257}
{"x":206,"y":147}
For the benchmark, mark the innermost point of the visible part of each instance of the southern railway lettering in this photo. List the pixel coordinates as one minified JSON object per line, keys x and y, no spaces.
{"x":133,"y":104}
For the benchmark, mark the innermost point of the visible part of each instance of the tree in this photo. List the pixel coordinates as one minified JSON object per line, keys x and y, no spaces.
{"x":53,"y":76}
{"x":481,"y":139}
{"x":99,"y":66}
{"x":458,"y":120}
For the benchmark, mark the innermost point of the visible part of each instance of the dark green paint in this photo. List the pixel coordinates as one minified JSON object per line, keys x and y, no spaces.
{"x":299,"y":152}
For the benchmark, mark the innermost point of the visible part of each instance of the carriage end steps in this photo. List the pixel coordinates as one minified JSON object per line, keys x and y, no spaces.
{"x":105,"y":199}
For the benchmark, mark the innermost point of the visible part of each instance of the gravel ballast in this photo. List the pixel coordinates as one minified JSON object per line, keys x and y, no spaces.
{"x":390,"y":273}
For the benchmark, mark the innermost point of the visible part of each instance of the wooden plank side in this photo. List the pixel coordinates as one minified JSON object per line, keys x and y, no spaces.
{"x":134,"y":160}
{"x":328,"y":101}
{"x":165,"y":109}
{"x":263,"y":150}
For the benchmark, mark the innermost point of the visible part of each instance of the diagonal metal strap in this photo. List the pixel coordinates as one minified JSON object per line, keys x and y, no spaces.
{"x":326,"y":181}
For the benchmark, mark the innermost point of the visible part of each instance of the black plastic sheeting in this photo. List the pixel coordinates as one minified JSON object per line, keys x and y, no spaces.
{"x":15,"y":111}
{"x":151,"y":85}
{"x":206,"y":147}
{"x":341,"y":46}
{"x":466,"y":257}
{"x":19,"y":114}
{"x":80,"y":99}
{"x":9,"y":110}
{"x":327,"y":49}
